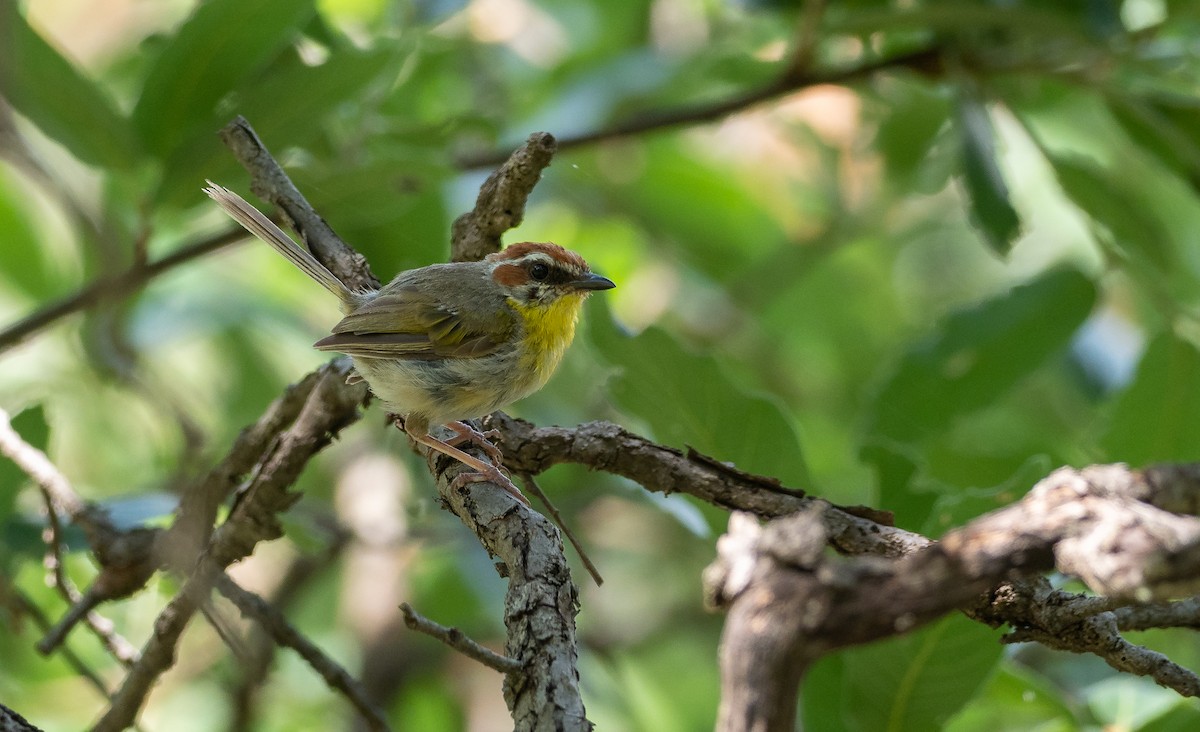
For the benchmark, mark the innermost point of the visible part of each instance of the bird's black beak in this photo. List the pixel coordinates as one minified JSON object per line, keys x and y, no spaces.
{"x":592,"y":282}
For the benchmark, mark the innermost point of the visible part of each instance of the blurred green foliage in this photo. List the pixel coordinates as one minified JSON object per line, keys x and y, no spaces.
{"x":921,"y":291}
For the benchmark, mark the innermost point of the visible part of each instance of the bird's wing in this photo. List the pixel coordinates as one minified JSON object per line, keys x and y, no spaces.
{"x":404,"y":323}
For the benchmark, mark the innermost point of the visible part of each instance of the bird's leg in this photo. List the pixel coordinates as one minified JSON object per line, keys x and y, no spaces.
{"x":466,"y":433}
{"x":484,"y":472}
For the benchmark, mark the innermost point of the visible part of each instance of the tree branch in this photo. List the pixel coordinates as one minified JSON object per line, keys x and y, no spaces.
{"x":501,"y":202}
{"x":1116,"y":529}
{"x":459,"y":641}
{"x":286,"y":635}
{"x":113,"y":287}
{"x":793,"y":78}
{"x":329,"y":407}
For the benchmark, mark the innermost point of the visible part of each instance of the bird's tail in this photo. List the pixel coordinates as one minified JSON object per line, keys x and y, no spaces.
{"x":262,"y":227}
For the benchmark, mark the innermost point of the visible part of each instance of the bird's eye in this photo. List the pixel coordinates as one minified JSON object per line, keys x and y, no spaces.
{"x":539,"y":271}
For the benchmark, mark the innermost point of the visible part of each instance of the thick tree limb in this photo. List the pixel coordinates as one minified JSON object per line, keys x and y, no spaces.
{"x":789,"y":603}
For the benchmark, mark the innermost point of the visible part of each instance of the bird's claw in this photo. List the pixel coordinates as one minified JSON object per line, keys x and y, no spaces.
{"x":492,"y":475}
{"x":465,"y":433}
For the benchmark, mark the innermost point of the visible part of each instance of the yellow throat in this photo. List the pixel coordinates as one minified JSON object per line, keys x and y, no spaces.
{"x":549,"y":328}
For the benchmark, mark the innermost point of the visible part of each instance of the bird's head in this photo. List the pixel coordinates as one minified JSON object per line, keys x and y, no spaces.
{"x":539,"y":275}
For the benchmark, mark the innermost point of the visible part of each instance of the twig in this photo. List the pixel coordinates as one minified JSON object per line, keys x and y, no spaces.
{"x":28,"y":607}
{"x":114,"y":286}
{"x":531,"y":486}
{"x":459,"y":641}
{"x":258,"y":609}
{"x":807,"y":34}
{"x":300,"y":571}
{"x":271,"y":183}
{"x":926,"y":59}
{"x":1099,"y":635}
{"x":1180,"y":614}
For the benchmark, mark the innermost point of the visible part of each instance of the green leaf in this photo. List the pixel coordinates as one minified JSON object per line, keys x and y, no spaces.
{"x":687,"y":399}
{"x":1015,"y":700}
{"x":223,"y":42}
{"x":285,"y":108}
{"x":991,"y":210}
{"x":916,"y":116}
{"x":1167,"y":130}
{"x":714,"y":219}
{"x":955,"y":508}
{"x":21,"y":258}
{"x":896,"y":472}
{"x":64,"y":104}
{"x":1157,"y":417}
{"x":1125,"y":224}
{"x":978,"y":354}
{"x":1124,"y":702}
{"x":918,"y":681}
{"x":822,"y":696}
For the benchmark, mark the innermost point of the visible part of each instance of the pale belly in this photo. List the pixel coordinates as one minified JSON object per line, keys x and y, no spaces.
{"x":452,"y":389}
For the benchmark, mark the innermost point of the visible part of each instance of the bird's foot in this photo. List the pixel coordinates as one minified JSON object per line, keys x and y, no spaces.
{"x":492,"y":475}
{"x":465,"y":433}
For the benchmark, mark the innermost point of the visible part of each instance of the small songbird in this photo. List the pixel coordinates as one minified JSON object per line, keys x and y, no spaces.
{"x":448,"y":342}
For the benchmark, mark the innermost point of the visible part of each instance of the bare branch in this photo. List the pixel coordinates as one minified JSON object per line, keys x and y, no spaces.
{"x":329,"y":407}
{"x":459,"y":641}
{"x":120,"y":574}
{"x":792,"y":79}
{"x":113,"y":287}
{"x":501,"y":202}
{"x":271,"y":183}
{"x":662,"y":469}
{"x":256,"y":608}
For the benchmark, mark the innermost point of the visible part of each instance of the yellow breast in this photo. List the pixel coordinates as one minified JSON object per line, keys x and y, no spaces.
{"x":549,"y":328}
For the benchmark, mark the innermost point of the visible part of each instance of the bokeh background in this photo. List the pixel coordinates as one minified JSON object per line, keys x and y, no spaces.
{"x":921,"y":289}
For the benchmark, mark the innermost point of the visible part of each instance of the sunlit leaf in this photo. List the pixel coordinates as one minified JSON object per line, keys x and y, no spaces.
{"x":31,"y":425}
{"x":1132,"y":228}
{"x":21,"y":256}
{"x":1016,"y":700}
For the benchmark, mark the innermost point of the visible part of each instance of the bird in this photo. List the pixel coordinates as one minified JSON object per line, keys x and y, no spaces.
{"x":449,"y":342}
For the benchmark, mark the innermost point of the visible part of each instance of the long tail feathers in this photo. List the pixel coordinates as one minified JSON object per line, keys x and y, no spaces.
{"x":262,"y":227}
